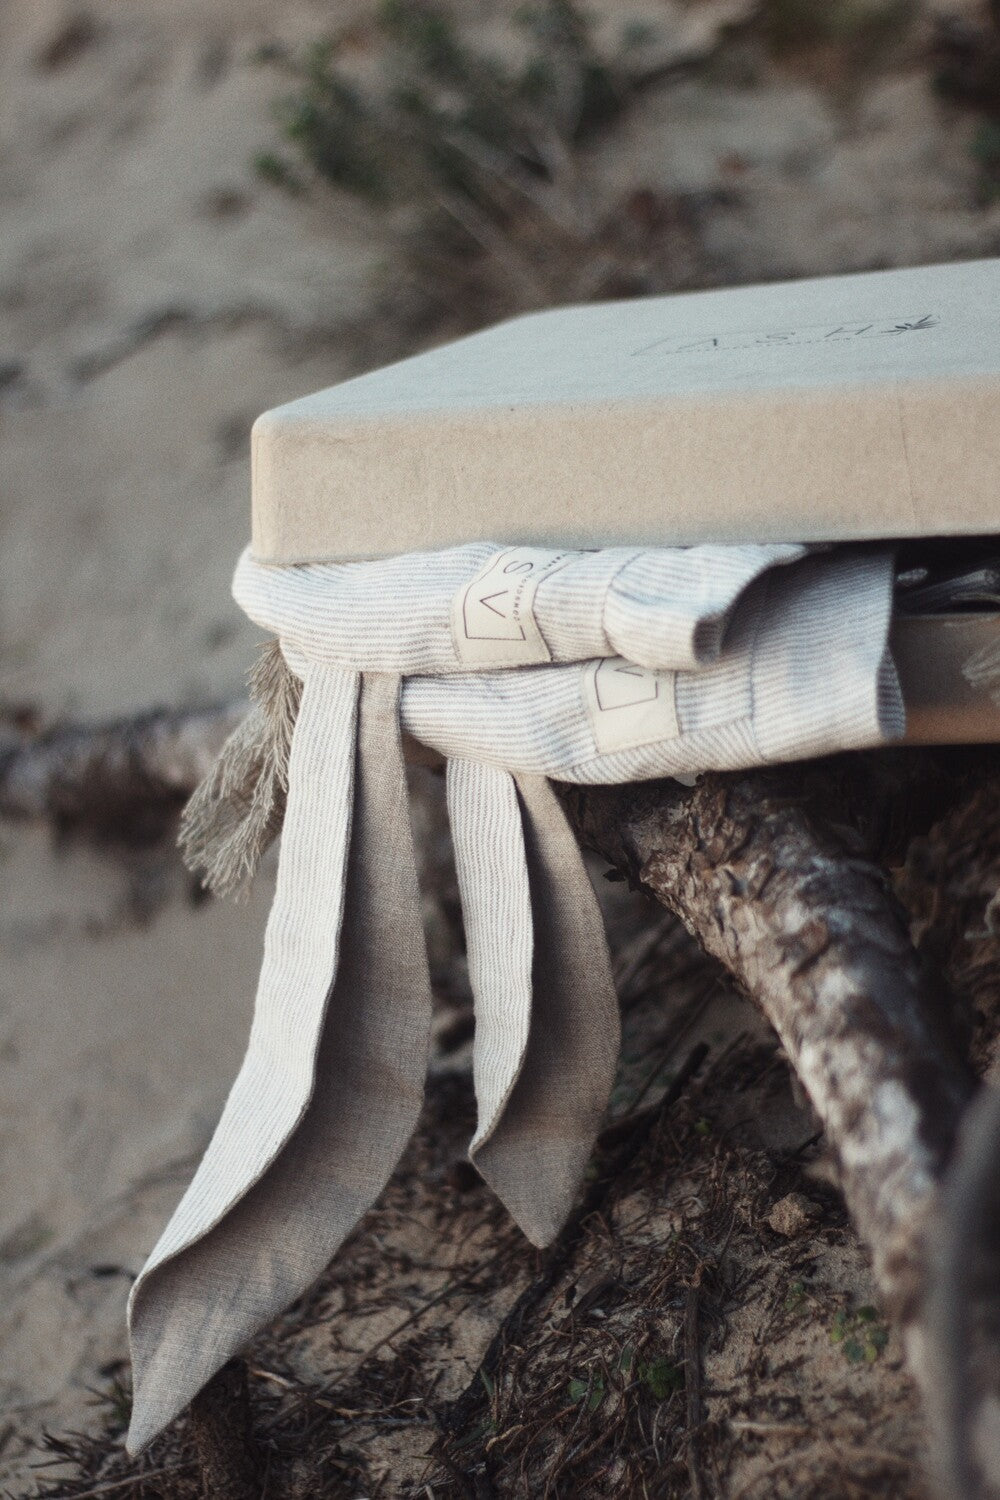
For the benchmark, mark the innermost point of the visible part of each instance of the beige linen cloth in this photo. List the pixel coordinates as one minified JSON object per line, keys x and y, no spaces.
{"x":517,"y":665}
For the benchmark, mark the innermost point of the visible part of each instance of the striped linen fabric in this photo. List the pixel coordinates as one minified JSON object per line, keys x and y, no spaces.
{"x":664,"y":608}
{"x":519,"y":667}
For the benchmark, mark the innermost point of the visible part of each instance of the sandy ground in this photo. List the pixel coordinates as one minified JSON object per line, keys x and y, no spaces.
{"x":154,"y":301}
{"x":154,"y":297}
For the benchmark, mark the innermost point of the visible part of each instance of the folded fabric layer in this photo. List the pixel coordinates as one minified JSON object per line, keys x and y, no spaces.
{"x":805,"y":671}
{"x":665,"y":607}
{"x":518,"y":666}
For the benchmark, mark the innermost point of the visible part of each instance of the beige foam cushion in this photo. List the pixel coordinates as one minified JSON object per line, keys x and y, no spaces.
{"x":841,"y":408}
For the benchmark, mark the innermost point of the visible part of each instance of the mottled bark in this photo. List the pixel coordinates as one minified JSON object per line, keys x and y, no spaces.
{"x":808,"y":927}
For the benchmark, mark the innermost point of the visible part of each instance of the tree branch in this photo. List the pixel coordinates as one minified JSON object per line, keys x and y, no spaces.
{"x":119,"y":782}
{"x":809,"y":930}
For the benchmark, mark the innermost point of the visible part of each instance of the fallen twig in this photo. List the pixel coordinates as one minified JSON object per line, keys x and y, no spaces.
{"x":129,"y":1481}
{"x":692,"y":1384}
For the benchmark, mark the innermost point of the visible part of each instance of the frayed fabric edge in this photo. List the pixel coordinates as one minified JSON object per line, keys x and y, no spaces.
{"x":236,"y":812}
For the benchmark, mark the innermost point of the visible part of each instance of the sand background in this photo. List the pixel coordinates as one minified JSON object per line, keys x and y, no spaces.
{"x":154,"y":297}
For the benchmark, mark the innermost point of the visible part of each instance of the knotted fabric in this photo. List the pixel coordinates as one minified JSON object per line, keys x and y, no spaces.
{"x":516,"y":666}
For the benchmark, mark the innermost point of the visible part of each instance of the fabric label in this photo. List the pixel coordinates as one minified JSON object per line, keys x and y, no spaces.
{"x":492,"y":618}
{"x":629,"y":705}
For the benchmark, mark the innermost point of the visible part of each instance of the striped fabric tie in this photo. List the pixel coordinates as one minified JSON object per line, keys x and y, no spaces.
{"x":517,"y":666}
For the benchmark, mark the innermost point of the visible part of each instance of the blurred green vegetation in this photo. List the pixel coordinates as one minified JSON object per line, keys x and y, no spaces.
{"x":474,"y":147}
{"x":441,"y":119}
{"x":474,"y":143}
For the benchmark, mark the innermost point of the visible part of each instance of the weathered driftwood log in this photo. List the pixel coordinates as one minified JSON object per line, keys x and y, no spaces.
{"x":124,"y":780}
{"x":808,"y":927}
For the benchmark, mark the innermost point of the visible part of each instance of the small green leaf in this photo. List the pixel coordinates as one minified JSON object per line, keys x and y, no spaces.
{"x":591,"y":1391}
{"x":863,"y":1337}
{"x":875,"y":1344}
{"x":661,"y":1378}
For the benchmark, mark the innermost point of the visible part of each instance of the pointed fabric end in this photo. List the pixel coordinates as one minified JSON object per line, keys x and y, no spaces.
{"x":542,"y":1129}
{"x":539,"y":1216}
{"x":262,"y":1221}
{"x":161,"y":1390}
{"x":147,"y":1422}
{"x":140,"y":1435}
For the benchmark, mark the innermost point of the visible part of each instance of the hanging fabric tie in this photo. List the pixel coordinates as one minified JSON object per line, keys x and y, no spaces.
{"x":517,"y":666}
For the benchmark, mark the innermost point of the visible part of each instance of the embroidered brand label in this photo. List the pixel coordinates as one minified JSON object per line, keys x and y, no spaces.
{"x":493,"y":618}
{"x":629,"y":705}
